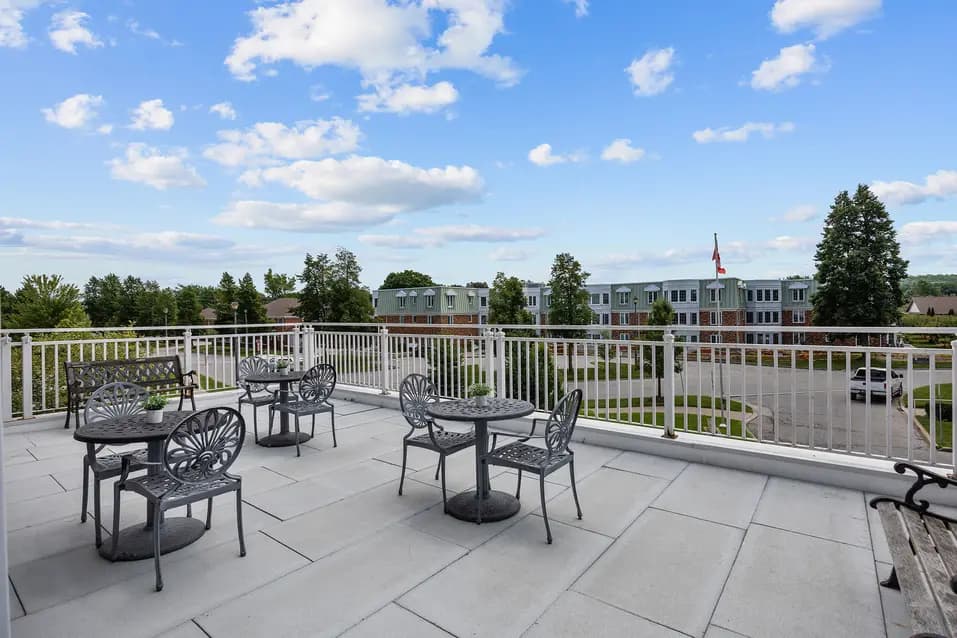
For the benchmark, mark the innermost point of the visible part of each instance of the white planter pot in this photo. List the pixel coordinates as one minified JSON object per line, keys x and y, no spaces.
{"x":282,"y":370}
{"x":154,"y":416}
{"x":481,"y":401}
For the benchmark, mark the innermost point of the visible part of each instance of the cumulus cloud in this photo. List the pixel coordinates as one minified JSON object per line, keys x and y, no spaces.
{"x":797,"y":214}
{"x":224,"y":110}
{"x":389,"y":44}
{"x":581,"y":7}
{"x":650,"y":74}
{"x":785,"y":71}
{"x":11,"y":17}
{"x":269,"y":142}
{"x":440,"y":235}
{"x":621,"y":150}
{"x":67,"y":30}
{"x":52,"y":224}
{"x":824,"y":17}
{"x":767,"y":130}
{"x":146,"y":165}
{"x":151,"y":114}
{"x":923,"y":232}
{"x":542,"y":155}
{"x":731,"y":252}
{"x":408,"y":98}
{"x":74,"y":112}
{"x":302,"y":217}
{"x":508,"y":253}
{"x":137,"y":29}
{"x":939,"y":185}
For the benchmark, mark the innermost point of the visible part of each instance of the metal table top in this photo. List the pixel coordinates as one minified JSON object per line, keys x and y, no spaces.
{"x":466,"y":410}
{"x":131,"y":429}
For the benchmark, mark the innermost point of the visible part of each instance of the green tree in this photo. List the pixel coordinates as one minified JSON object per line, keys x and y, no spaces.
{"x":506,"y":302}
{"x":530,"y":373}
{"x":6,"y":304}
{"x":406,"y":279}
{"x":661,"y":314}
{"x":859,"y":267}
{"x":225,"y":296}
{"x":924,"y":288}
{"x":132,"y":292}
{"x":251,"y":308}
{"x":314,"y":298}
{"x":189,"y":306}
{"x":278,"y":285}
{"x":351,"y":302}
{"x":477,"y":284}
{"x":103,"y":300}
{"x":45,"y":301}
{"x":569,"y":303}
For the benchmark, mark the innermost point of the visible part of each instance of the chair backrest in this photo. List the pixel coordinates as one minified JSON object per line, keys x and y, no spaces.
{"x":115,"y":400}
{"x":561,"y":422}
{"x":318,"y":383}
{"x":204,"y":444}
{"x":416,"y":393}
{"x":251,"y":366}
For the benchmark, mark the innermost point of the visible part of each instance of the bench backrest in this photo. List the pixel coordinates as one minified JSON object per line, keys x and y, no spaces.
{"x":155,"y":373}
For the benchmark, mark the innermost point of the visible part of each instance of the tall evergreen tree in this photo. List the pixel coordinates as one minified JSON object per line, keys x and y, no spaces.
{"x":314,"y":298}
{"x":506,"y":301}
{"x":251,"y":308}
{"x":225,"y":296}
{"x":661,"y":314}
{"x":45,"y":301}
{"x":569,"y":298}
{"x":351,"y":303}
{"x":189,"y":306}
{"x":859,"y":267}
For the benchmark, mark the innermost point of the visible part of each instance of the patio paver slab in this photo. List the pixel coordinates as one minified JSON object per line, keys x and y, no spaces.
{"x":575,"y":614}
{"x":714,"y":494}
{"x":395,"y":622}
{"x":659,"y":466}
{"x":819,"y":510}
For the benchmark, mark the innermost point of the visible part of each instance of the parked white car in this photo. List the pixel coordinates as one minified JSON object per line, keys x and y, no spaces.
{"x":876,"y":383}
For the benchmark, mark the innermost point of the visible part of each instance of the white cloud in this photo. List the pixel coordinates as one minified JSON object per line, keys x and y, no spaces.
{"x":508,"y":253}
{"x":650,"y":74}
{"x":542,"y":155}
{"x":147,"y":165}
{"x":302,"y":217}
{"x":151,"y":114}
{"x":104,"y":129}
{"x":408,"y":98}
{"x":785,"y":71}
{"x":268,"y":142}
{"x":11,"y":16}
{"x":74,"y":112}
{"x":797,"y":214}
{"x":741,"y":134}
{"x":581,"y":7}
{"x":224,"y":110}
{"x":825,"y":17}
{"x":920,"y":233}
{"x":621,"y":150}
{"x":318,"y":93}
{"x":67,"y":31}
{"x":24,"y":223}
{"x":939,"y":185}
{"x":373,"y":181}
{"x":389,"y":44}
{"x":137,"y":29}
{"x":436,"y":236}
{"x":732,"y":252}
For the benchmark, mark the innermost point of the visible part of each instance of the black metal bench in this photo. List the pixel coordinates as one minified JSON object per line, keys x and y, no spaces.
{"x":924,"y":550}
{"x":158,"y":374}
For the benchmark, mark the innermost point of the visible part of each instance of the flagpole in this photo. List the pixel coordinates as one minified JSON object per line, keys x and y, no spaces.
{"x":717,"y":287}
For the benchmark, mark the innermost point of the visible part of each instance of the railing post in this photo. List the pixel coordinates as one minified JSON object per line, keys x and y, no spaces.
{"x":953,"y":384}
{"x":295,"y":345}
{"x":6,"y":378}
{"x":384,"y":359}
{"x":27,"y":351}
{"x":669,"y":386}
{"x":499,"y":384}
{"x":312,"y":346}
{"x":489,"y":336}
{"x":188,"y":349}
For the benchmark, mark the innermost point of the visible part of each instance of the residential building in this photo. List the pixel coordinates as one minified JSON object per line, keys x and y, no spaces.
{"x":933,"y":305}
{"x":433,"y":309}
{"x":283,"y":310}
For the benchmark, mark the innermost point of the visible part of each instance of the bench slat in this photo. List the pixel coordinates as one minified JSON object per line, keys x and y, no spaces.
{"x":933,"y":567}
{"x":925,"y":614}
{"x":943,"y":538}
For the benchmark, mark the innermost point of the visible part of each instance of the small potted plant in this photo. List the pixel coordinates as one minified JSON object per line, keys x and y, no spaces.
{"x":154,"y":408}
{"x":480,"y":392}
{"x":282,"y":366}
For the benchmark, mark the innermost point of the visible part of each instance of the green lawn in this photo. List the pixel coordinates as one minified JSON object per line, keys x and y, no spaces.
{"x":943,"y":393}
{"x":682,"y":421}
{"x":692,"y":402}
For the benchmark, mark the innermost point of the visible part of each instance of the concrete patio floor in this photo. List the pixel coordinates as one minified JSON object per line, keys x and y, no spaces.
{"x":666,"y":548}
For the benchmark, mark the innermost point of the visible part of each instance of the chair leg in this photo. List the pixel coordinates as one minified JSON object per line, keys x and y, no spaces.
{"x":255,"y":425}
{"x":116,"y":519}
{"x":405,"y":454}
{"x":272,"y":415}
{"x":157,"y":550}
{"x":96,"y":511}
{"x":181,"y":397}
{"x":571,"y":472}
{"x":209,"y":514}
{"x":86,"y":490}
{"x":239,"y":521}
{"x":518,"y":490}
{"x":548,"y":531}
{"x":445,"y":505}
{"x":439,"y":467}
{"x":298,"y":453}
{"x":332,"y":415}
{"x":192,"y":399}
{"x":189,"y":510}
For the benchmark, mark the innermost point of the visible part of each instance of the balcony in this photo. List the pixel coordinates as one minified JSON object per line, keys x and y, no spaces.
{"x":756,"y":531}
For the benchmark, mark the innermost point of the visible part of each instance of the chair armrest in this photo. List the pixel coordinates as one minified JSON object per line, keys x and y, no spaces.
{"x":125,"y":462}
{"x":192,"y":378}
{"x":924,"y":477}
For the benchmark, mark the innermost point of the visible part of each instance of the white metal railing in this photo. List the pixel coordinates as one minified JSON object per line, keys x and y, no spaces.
{"x":796,"y":395}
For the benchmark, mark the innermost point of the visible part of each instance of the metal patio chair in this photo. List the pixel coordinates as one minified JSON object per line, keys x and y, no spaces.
{"x":415,"y":395}
{"x":559,"y":427}
{"x":196,"y":457}
{"x":315,"y":388}
{"x":111,"y":401}
{"x":255,"y":394}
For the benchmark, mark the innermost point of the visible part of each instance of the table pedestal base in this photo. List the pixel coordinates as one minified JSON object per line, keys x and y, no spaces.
{"x":283,"y":439}
{"x":136,"y":542}
{"x":498,"y":506}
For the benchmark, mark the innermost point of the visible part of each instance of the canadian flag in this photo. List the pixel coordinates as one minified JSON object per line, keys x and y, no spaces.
{"x":716,"y":258}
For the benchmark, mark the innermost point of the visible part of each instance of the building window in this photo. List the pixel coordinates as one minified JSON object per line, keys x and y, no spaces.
{"x":622,"y":298}
{"x":775,"y":295}
{"x":775,"y":317}
{"x":652,"y":297}
{"x":413,"y":301}
{"x":749,"y":317}
{"x":798,"y":316}
{"x":483,"y":301}
{"x":682,"y":295}
{"x":548,"y":300}
{"x":798,"y":295}
{"x":693,"y":316}
{"x":749,"y":338}
{"x":715,"y":295}
{"x":605,"y":318}
{"x":428,"y":320}
{"x":532,"y":301}
{"x":401,"y":302}
{"x":375,"y":302}
{"x":750,"y":295}
{"x":605,"y":298}
{"x":471,"y":302}
{"x":429,"y":301}
{"x":682,"y":318}
{"x":799,"y":338}
{"x":694,"y":295}
{"x":674,"y":296}
{"x":760,"y":294}
{"x":595,"y":299}
{"x":450,"y":302}
{"x":714,"y":317}
{"x":622,"y":318}
{"x":483,"y":318}
{"x":714,"y":338}
{"x":451,"y":320}
{"x":693,"y":339}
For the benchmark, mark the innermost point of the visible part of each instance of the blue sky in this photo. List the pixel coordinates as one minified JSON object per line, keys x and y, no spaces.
{"x":176,"y":140}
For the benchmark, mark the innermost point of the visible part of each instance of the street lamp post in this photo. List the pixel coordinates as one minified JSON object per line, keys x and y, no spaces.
{"x":235,"y":306}
{"x":166,"y":322}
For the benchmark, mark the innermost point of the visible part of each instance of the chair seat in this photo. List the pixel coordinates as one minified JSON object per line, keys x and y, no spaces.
{"x":303,"y":407}
{"x":527,"y":456}
{"x":111,"y":464}
{"x":157,"y":486}
{"x":256,"y":399}
{"x":447,"y":441}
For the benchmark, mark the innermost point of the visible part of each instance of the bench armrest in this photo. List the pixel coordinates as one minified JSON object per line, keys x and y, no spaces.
{"x":192,"y":378}
{"x":924,"y":477}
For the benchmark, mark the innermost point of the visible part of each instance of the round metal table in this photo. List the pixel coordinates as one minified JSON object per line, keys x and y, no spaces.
{"x":495,"y":505}
{"x":136,"y":542}
{"x":283,"y":438}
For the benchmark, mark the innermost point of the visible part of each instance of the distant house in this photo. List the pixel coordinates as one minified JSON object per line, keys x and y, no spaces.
{"x":208,"y":315}
{"x":933,"y":305}
{"x":283,"y":310}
